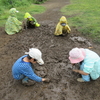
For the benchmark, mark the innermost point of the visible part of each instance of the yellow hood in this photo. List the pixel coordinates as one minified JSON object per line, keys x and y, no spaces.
{"x":27,"y":15}
{"x":63,"y":19}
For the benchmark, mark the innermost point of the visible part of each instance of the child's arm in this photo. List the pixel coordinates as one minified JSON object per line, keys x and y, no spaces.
{"x":35,"y":21}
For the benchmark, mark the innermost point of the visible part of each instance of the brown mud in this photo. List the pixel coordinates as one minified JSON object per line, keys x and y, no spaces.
{"x":63,"y":84}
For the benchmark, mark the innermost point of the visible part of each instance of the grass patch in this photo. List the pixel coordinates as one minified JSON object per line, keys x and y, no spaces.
{"x":85,"y":16}
{"x":32,"y":9}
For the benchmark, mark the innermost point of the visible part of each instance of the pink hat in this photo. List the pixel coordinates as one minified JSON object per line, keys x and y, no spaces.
{"x":76,"y":55}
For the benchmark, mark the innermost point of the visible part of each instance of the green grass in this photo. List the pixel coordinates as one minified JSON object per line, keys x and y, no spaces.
{"x":85,"y":16}
{"x":32,"y":9}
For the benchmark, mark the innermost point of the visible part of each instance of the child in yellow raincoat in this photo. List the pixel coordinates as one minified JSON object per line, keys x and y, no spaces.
{"x":62,"y":27}
{"x":13,"y":25}
{"x":30,"y":21}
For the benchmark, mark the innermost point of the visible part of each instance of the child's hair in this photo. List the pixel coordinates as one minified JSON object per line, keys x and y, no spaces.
{"x":29,"y":57}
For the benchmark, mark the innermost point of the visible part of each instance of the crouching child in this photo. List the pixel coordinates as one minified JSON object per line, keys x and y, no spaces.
{"x":22,"y":68}
{"x":30,"y":21}
{"x":62,"y":27}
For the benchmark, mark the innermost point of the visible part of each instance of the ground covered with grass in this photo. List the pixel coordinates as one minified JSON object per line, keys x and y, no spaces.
{"x":32,"y":9}
{"x":63,"y":84}
{"x":85,"y":16}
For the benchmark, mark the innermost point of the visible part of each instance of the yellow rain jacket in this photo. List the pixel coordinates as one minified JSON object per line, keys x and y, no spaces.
{"x":13,"y":25}
{"x":62,"y":26}
{"x":31,"y":19}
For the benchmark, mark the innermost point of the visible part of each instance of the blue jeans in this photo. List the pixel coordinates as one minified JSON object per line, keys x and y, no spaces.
{"x":84,"y":77}
{"x":21,"y":76}
{"x":24,"y":78}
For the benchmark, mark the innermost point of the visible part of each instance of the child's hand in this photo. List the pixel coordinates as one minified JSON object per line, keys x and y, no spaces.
{"x":46,"y":80}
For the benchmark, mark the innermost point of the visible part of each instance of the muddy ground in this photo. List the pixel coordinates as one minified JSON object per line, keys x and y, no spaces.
{"x":63,"y":85}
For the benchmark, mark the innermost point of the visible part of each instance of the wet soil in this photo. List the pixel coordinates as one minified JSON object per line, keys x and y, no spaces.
{"x":63,"y":84}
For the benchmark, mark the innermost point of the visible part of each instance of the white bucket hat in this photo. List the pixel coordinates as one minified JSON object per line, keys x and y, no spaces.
{"x":36,"y":54}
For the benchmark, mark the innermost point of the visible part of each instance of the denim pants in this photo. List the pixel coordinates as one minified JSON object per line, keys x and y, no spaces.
{"x":24,"y":78}
{"x":84,"y":77}
{"x":21,"y":76}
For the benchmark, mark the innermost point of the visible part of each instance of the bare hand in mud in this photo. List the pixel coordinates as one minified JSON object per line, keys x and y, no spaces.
{"x":46,"y":80}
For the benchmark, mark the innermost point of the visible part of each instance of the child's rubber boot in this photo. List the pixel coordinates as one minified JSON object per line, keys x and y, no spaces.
{"x":80,"y":80}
